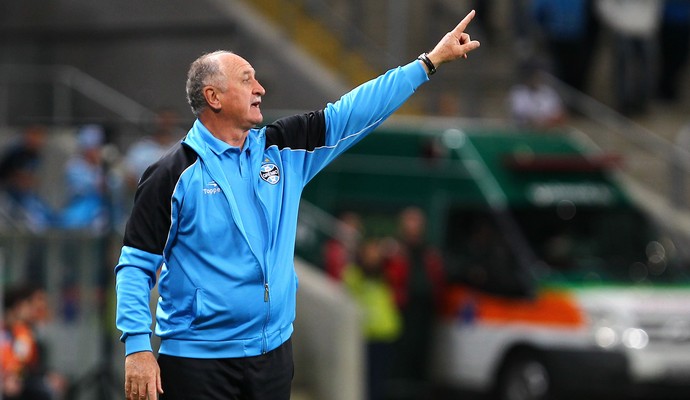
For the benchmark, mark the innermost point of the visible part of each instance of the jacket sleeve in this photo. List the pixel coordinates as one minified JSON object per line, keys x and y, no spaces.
{"x":325,"y":134}
{"x":360,"y":111}
{"x":368,"y":105}
{"x":148,"y":230}
{"x":135,"y":277}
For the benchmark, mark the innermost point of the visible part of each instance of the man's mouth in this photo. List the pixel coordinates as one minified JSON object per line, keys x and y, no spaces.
{"x":256,"y":104}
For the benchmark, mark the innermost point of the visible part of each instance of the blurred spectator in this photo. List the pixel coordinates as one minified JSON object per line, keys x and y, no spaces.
{"x":634,"y":24}
{"x":41,"y":376}
{"x":366,"y":282}
{"x":150,"y":148}
{"x":21,"y":206}
{"x":416,"y":272}
{"x":25,"y":151}
{"x":570,"y":31}
{"x":484,"y":10}
{"x":85,"y":183}
{"x":91,"y":204}
{"x":674,"y":45}
{"x":533,"y":103}
{"x":340,"y":250}
{"x":18,"y":345}
{"x":24,"y":370}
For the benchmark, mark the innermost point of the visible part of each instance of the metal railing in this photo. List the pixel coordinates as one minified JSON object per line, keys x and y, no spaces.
{"x":67,"y":81}
{"x":662,"y":165}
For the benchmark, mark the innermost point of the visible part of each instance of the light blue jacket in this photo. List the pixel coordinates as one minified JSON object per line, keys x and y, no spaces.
{"x":219,"y":299}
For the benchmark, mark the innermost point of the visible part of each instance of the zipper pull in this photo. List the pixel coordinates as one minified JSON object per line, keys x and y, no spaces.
{"x":266,"y":292}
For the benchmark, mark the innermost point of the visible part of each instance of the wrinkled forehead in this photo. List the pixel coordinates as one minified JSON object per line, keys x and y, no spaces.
{"x":233,"y":65}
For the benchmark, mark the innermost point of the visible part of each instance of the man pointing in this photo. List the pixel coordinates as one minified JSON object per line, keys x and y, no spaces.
{"x":218,"y":216}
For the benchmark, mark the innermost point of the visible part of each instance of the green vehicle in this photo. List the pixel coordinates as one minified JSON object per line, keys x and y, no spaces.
{"x":559,"y":283}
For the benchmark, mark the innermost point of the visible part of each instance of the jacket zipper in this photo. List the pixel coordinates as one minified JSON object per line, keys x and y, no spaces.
{"x":267,"y":300}
{"x":267,"y":294}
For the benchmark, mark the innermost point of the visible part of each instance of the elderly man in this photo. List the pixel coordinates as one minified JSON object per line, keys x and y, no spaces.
{"x":218,"y":216}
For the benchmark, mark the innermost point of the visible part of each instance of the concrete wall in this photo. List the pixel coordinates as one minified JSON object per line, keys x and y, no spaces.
{"x":328,"y":342}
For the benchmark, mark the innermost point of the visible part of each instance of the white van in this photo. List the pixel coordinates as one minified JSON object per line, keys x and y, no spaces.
{"x":559,"y":285}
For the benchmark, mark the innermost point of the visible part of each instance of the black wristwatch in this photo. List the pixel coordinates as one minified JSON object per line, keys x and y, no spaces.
{"x":424,"y":57}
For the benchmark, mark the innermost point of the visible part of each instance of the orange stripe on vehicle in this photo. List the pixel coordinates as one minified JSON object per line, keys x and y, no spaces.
{"x":550,"y":307}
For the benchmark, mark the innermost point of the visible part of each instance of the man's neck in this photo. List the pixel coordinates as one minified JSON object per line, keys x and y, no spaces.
{"x":233,"y":136}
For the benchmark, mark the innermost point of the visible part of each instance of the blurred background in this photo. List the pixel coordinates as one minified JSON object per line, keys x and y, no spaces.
{"x":518,"y":230}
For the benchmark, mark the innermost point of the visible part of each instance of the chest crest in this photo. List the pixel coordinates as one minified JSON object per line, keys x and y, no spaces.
{"x":269,"y":172}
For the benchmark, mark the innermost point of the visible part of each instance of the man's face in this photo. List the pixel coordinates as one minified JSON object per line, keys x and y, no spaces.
{"x":240,"y":92}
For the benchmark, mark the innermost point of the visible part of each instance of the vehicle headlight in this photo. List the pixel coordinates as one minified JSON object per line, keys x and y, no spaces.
{"x":608,"y":335}
{"x":605,"y":336}
{"x":635,"y":338}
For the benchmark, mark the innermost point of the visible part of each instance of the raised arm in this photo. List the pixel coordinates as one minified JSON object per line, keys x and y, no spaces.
{"x":361,"y":110}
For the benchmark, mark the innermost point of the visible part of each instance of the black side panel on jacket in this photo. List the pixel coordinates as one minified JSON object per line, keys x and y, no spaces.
{"x":304,"y":132}
{"x":149,"y":223}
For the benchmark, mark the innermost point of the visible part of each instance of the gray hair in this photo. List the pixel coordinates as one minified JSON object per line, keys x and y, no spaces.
{"x":205,"y":70}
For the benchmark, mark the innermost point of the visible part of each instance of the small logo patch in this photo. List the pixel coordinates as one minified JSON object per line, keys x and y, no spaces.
{"x":211,"y":188}
{"x":270,"y":173}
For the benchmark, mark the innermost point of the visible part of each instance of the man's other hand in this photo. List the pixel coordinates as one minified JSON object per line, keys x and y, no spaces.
{"x":142,"y":376}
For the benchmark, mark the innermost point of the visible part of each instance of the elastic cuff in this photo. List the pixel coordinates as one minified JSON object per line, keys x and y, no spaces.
{"x":416,"y":73}
{"x":137,"y":343}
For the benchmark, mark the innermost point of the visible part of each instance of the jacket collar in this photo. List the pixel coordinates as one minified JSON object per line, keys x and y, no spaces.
{"x":200,"y":139}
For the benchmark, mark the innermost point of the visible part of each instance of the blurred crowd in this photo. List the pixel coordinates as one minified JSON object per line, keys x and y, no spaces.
{"x":398,"y":281}
{"x":646,"y":42}
{"x":630,"y":55}
{"x":97,"y":183}
{"x":649,"y":45}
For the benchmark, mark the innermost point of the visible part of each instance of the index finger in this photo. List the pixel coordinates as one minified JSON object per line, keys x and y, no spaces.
{"x":460,"y":28}
{"x":151,"y":390}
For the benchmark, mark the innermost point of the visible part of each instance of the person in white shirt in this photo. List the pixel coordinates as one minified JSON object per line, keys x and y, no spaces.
{"x":533,"y":103}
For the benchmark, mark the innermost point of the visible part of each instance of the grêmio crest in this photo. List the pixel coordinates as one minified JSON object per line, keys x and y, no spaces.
{"x":270,"y":173}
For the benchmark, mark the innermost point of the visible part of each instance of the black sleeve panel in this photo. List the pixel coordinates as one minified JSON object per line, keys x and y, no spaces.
{"x":149,"y":223}
{"x":305,"y":132}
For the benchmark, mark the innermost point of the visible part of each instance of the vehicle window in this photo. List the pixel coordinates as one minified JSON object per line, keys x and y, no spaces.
{"x":598,"y":244}
{"x":479,"y":255}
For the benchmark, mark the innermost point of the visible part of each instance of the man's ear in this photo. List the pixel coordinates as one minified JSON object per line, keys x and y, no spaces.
{"x":211,"y":96}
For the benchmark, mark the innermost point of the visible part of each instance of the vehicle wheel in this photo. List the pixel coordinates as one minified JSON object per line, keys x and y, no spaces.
{"x":524,"y":378}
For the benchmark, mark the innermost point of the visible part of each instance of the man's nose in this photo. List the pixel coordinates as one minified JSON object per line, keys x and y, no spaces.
{"x":259,"y":89}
